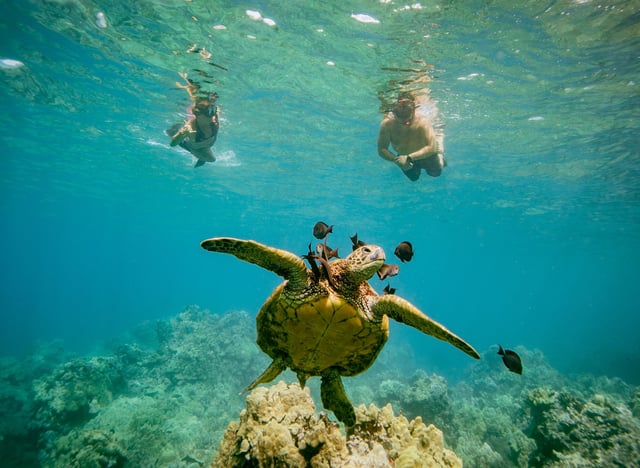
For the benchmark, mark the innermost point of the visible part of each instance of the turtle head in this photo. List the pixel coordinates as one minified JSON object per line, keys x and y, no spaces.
{"x":363,"y":263}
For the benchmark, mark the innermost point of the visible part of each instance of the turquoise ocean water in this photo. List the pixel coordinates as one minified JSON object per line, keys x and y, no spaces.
{"x":530,"y":237}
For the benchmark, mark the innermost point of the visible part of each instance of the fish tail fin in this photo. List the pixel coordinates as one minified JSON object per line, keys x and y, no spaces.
{"x":500,"y":351}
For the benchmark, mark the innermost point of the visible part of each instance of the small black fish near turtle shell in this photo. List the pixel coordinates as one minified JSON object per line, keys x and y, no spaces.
{"x":326,"y":252}
{"x":404,"y":251}
{"x":511,"y":360}
{"x":355,"y":243}
{"x":321,"y":230}
{"x":389,"y":290}
{"x":388,"y":270}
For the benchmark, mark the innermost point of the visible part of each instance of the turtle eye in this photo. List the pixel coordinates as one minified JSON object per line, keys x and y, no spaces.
{"x":366,"y":249}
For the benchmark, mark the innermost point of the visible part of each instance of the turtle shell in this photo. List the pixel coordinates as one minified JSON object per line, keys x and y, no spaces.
{"x":315,"y":332}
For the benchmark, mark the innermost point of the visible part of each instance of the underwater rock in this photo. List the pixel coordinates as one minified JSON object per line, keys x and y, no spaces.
{"x":17,"y":440}
{"x":196,"y":344}
{"x":489,"y":435}
{"x":90,"y":448}
{"x":485,"y":429}
{"x":571,"y":431}
{"x":76,"y":391}
{"x":15,"y":400}
{"x":489,"y":379}
{"x":158,"y":402}
{"x":635,"y":403}
{"x":280,"y":427}
{"x":425,"y":395}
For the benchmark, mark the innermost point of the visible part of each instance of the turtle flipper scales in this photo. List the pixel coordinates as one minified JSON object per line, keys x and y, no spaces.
{"x":281,"y":262}
{"x":403,"y":311}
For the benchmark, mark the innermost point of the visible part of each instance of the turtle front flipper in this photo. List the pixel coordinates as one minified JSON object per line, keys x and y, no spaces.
{"x":281,"y":262}
{"x":271,"y":372}
{"x":335,"y":399}
{"x":403,"y":311}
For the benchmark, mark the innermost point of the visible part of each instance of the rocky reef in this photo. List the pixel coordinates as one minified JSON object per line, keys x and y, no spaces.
{"x":163,"y":397}
{"x":280,"y":427}
{"x":571,"y":431}
{"x":494,"y":418}
{"x":166,"y":394}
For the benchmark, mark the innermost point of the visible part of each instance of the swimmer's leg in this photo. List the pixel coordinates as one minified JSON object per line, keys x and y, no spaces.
{"x":204,"y":155}
{"x":414,"y":173}
{"x":438,"y":162}
{"x":171,"y":131}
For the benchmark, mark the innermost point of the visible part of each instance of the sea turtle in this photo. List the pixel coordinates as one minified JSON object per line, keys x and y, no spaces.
{"x":327,"y":321}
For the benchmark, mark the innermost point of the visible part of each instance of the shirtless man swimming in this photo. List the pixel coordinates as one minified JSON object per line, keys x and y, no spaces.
{"x":413,"y":138}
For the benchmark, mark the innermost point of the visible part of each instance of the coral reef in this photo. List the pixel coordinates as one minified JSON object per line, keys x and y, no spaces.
{"x":75,"y":391}
{"x":424,"y":395}
{"x":571,"y":431}
{"x":280,"y":427}
{"x":486,"y":417}
{"x":87,"y":449}
{"x":142,"y":406}
{"x":18,"y":432}
{"x":635,"y":403}
{"x":164,"y":396}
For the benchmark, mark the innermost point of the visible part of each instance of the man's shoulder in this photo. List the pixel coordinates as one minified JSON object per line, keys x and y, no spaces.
{"x":423,"y":122}
{"x":388,"y":120}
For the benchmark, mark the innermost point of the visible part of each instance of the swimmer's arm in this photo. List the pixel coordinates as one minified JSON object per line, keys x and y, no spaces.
{"x":384,"y":140}
{"x":429,"y":149}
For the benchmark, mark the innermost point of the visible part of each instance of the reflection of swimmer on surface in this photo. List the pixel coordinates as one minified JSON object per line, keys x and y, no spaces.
{"x":417,"y":144}
{"x":200,"y":131}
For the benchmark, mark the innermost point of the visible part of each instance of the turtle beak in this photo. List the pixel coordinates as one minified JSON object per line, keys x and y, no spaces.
{"x":377,"y":254}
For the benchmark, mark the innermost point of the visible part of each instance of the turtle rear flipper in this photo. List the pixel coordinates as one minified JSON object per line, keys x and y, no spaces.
{"x":270,"y":373}
{"x":335,"y":399}
{"x":281,"y":262}
{"x":403,"y":311}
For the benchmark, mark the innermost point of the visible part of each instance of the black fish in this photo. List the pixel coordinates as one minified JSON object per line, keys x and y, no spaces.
{"x":320,"y":230}
{"x":389,"y":290}
{"x":327,"y":270}
{"x":311,"y":258}
{"x":355,"y":243}
{"x":326,"y":252}
{"x":511,"y":360}
{"x":388,"y":270}
{"x":404,"y":251}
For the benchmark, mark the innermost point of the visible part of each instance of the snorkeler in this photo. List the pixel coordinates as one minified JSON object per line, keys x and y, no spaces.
{"x":198,"y":134}
{"x":413,"y":138}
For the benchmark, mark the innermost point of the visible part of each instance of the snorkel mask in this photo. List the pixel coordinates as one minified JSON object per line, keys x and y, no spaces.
{"x":207,"y":108}
{"x":404,"y":111}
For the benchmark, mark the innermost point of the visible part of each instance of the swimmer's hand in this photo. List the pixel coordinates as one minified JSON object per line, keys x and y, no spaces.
{"x":404,"y":162}
{"x":179,"y":137}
